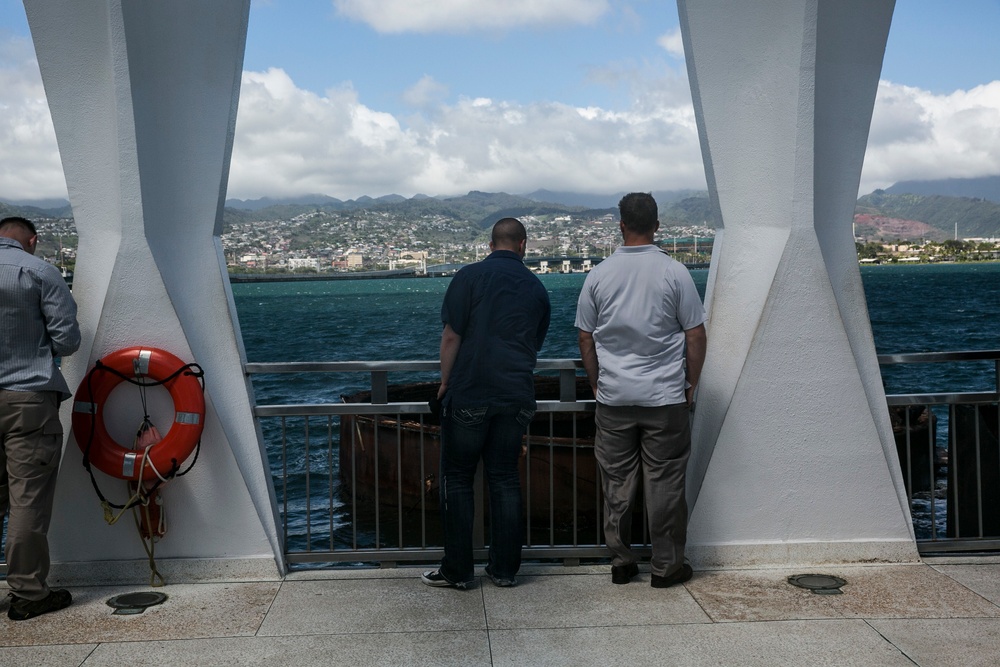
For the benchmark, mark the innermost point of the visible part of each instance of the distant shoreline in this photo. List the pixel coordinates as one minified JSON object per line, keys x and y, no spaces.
{"x":311,"y":277}
{"x":450,"y":270}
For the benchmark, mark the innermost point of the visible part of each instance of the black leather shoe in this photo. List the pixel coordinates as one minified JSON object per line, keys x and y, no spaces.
{"x":22,"y":609}
{"x":677,"y":577}
{"x":622,"y":574}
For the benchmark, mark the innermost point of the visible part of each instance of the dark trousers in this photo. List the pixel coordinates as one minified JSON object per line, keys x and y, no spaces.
{"x":492,"y":434}
{"x":654,"y":442}
{"x":30,"y":444}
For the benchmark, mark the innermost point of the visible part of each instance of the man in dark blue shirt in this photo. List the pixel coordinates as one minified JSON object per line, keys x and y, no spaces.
{"x":495,"y":314}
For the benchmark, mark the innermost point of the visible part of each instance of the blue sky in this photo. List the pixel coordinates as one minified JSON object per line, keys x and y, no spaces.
{"x":934,"y":45}
{"x":444,"y":96}
{"x":555,"y":61}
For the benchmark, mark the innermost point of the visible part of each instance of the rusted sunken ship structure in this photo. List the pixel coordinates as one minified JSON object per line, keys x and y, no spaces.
{"x":393,"y":459}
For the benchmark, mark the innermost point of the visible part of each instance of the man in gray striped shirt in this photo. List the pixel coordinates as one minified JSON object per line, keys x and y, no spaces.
{"x":37,"y":325}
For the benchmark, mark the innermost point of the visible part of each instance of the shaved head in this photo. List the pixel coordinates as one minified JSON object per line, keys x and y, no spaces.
{"x":508,"y":234}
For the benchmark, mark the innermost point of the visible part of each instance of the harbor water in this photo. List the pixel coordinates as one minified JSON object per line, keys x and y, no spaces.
{"x":922,"y":308}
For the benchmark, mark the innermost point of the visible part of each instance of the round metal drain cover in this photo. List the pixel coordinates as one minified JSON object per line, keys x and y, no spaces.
{"x":135,"y":603}
{"x":820,"y":584}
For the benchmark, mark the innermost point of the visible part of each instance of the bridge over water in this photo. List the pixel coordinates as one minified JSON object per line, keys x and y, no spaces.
{"x":550,"y":264}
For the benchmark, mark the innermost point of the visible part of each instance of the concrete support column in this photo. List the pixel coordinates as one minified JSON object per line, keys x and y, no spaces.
{"x":793,"y":458}
{"x":143,"y":97}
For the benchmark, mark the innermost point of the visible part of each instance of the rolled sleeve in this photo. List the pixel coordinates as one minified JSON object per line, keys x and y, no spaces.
{"x":59,"y":311}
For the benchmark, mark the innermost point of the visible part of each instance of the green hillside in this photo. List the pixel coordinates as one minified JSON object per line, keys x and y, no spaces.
{"x":976,"y":218}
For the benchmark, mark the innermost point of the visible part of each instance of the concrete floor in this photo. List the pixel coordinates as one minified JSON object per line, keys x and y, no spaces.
{"x":941,"y":612}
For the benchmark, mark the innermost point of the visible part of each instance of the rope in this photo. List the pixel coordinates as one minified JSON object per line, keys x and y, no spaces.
{"x":146,"y":461}
{"x":142,"y":394}
{"x":141,"y":381}
{"x":149,"y":546}
{"x":142,"y":495}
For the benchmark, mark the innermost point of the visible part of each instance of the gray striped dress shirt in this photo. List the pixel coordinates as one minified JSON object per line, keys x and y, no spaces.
{"x":37,"y":322}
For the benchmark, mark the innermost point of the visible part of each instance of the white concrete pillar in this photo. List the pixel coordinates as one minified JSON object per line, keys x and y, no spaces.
{"x":143,"y":97}
{"x":793,"y":458}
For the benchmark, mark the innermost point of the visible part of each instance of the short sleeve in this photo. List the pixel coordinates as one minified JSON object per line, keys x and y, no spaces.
{"x":586,"y":309}
{"x":690,"y":311}
{"x":456,"y":306}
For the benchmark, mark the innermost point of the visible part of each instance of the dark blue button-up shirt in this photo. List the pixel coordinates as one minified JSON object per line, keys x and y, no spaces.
{"x":501,"y":310}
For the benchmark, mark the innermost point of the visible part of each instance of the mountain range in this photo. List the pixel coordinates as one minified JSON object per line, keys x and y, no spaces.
{"x":986,"y":187}
{"x":908,"y":209}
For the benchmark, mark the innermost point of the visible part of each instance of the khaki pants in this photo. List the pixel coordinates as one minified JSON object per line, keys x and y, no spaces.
{"x":654,"y":442}
{"x":30,"y":445}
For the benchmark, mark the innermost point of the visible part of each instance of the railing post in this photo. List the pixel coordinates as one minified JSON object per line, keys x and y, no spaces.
{"x":380,"y":387}
{"x":567,"y":385}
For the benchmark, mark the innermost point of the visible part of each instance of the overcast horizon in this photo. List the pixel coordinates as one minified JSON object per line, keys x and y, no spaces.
{"x":587,"y":96}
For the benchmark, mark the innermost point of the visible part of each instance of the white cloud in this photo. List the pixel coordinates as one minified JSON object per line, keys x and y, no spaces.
{"x":916,"y":135}
{"x":292,"y":141}
{"x":672,"y":43}
{"x":426,"y":16}
{"x":30,"y":168}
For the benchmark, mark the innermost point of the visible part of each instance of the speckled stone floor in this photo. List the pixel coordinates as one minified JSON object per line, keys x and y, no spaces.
{"x":940,"y":612}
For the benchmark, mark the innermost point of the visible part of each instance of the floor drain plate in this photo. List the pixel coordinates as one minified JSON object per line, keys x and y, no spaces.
{"x":820,"y":584}
{"x":135,"y":603}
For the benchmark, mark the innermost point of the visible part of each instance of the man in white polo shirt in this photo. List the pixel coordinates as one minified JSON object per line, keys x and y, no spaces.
{"x":642,"y":339}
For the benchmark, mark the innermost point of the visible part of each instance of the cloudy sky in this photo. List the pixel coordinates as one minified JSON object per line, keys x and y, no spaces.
{"x":445,"y":96}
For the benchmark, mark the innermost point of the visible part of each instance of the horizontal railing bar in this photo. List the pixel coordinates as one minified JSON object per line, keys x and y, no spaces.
{"x":311,"y":409}
{"x":560,"y":364}
{"x":950,"y":398}
{"x":364,"y":366}
{"x":924,"y":547}
{"x":958,"y":544}
{"x":354,"y":555}
{"x":339,"y":366}
{"x":527,"y":553}
{"x":933,"y":357}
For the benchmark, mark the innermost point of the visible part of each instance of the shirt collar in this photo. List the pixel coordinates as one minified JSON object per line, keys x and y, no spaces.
{"x":637,"y":248}
{"x":505,"y":254}
{"x":4,"y":241}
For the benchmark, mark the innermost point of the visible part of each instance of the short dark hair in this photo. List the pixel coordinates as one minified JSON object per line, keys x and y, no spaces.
{"x":508,"y":233}
{"x":17,"y":221}
{"x":638,"y":212}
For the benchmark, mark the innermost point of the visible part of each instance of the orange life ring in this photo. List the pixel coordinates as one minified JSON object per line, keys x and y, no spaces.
{"x":189,"y":413}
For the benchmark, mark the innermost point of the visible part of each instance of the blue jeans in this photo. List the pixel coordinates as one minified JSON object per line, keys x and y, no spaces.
{"x":492,"y":434}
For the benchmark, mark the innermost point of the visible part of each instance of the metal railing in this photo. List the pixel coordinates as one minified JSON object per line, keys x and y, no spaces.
{"x":357,"y":480}
{"x":949,"y":453}
{"x":366,"y":488}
